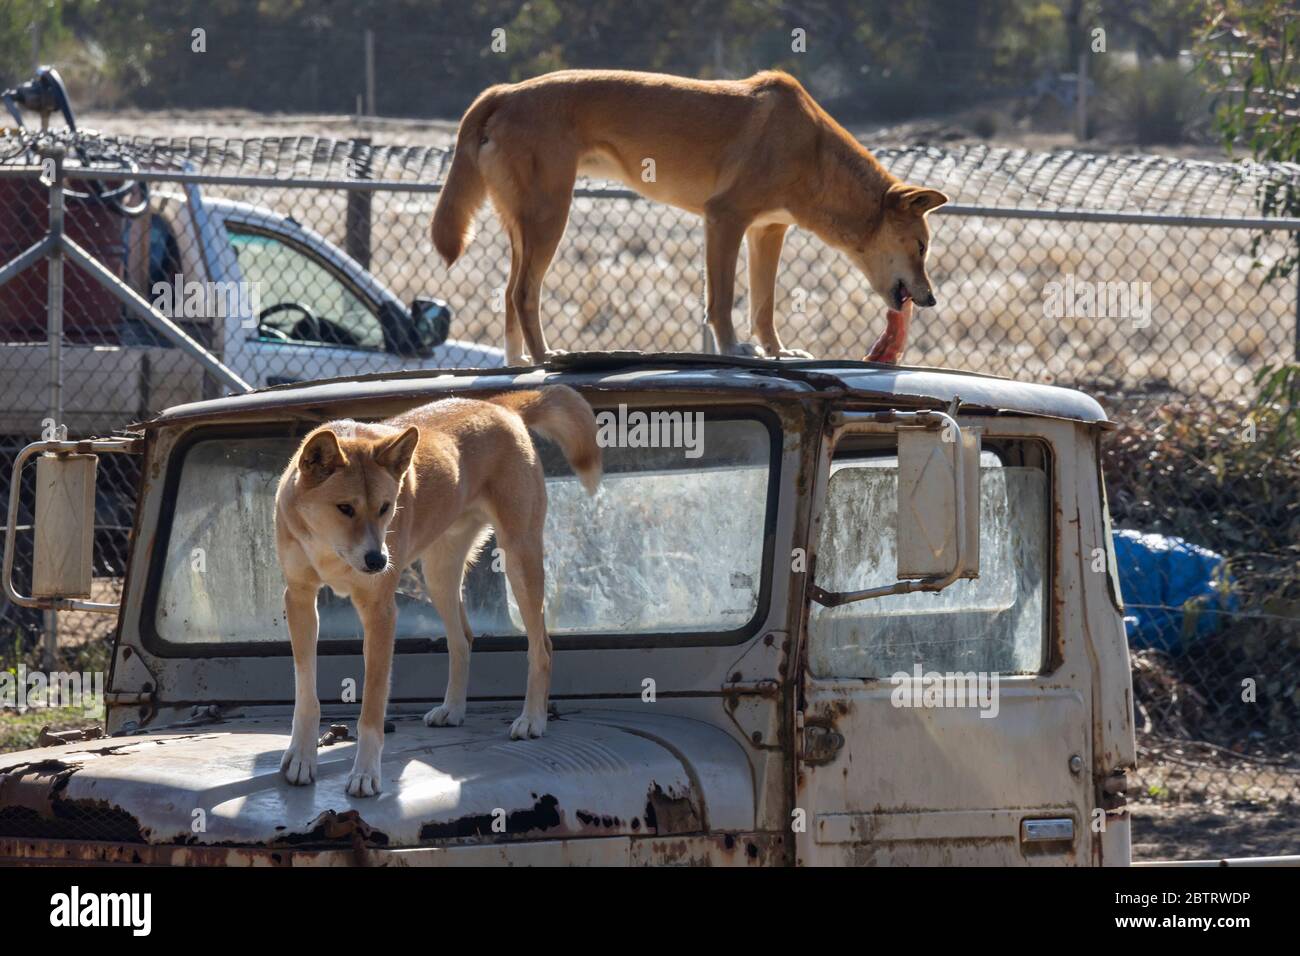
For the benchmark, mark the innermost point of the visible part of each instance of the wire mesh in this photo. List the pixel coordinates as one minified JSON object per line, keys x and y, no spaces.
{"x":303,"y":279}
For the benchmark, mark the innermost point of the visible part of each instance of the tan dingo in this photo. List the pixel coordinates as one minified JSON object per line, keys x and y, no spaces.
{"x":360,"y":502}
{"x":753,"y":157}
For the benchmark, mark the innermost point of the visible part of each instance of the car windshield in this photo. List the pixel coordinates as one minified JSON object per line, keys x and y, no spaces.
{"x":671,"y":544}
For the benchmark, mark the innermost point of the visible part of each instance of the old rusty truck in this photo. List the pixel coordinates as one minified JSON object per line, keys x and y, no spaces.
{"x":818,"y":613}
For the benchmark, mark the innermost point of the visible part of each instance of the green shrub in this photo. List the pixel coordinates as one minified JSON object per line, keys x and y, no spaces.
{"x":1155,"y":103}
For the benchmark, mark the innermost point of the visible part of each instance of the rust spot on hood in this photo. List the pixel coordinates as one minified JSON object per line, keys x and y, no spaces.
{"x":543,"y":815}
{"x":346,"y":828}
{"x":51,"y":776}
{"x":598,"y":819}
{"x":671,"y":812}
{"x":32,"y":805}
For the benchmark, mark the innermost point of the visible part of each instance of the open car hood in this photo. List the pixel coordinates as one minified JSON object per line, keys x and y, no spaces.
{"x":595,"y":773}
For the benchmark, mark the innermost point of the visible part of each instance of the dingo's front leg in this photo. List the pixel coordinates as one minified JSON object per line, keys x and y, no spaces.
{"x":764,"y":256}
{"x":299,"y":762}
{"x":722,"y":234}
{"x":379,"y":618}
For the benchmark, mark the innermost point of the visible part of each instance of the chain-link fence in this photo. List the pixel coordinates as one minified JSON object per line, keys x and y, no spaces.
{"x":1146,"y":281}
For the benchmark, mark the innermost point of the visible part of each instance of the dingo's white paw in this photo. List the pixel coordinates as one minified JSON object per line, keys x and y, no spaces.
{"x":528,"y":725}
{"x":445,"y":716}
{"x":363,"y":782}
{"x":299,"y":764}
{"x":746,"y":350}
{"x":793,"y":353}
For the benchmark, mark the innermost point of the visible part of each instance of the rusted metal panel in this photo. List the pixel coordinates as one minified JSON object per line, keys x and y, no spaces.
{"x":598,"y":775}
{"x":724,"y":849}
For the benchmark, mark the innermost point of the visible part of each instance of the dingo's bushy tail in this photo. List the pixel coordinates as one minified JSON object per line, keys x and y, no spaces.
{"x":464,"y":190}
{"x":563,"y":416}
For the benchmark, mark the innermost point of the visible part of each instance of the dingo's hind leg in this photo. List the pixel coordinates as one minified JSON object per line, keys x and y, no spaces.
{"x":443,"y":565}
{"x":541,"y":227}
{"x":516,"y":354}
{"x":764,"y":244}
{"x":520,"y":534}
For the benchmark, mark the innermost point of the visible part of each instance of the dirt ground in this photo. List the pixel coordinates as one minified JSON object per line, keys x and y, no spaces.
{"x":1192,"y":832}
{"x":1191,"y":801}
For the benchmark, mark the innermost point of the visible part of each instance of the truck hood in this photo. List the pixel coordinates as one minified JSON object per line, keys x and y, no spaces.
{"x":595,"y":773}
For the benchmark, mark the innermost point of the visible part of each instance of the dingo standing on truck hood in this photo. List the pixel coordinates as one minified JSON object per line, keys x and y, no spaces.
{"x":360,"y":502}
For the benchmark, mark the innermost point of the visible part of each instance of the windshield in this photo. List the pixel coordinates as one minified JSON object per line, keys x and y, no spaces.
{"x":671,"y":544}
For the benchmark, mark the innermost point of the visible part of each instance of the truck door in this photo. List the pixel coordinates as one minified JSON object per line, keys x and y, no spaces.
{"x":950,"y":727}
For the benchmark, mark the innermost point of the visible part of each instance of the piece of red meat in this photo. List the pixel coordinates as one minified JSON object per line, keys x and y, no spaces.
{"x":889,"y":347}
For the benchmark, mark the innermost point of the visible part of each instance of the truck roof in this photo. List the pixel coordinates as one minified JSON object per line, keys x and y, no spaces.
{"x":635,"y":371}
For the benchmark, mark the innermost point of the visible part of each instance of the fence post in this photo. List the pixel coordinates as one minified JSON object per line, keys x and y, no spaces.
{"x":54,"y":152}
{"x":357,"y":236}
{"x":1081,"y":100}
{"x":370,"y":73}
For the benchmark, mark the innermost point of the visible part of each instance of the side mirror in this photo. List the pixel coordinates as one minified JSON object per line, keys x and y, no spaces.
{"x":938,"y":503}
{"x":431,"y":321}
{"x":63,"y":523}
{"x":938,"y":507}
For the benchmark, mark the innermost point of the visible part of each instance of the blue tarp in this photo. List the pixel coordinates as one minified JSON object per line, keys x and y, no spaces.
{"x":1158,"y":575}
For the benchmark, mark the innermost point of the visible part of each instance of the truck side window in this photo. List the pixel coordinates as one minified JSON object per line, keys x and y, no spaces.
{"x":996,"y":623}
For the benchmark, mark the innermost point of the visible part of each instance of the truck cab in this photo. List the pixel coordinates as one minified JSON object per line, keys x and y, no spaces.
{"x":819,"y":613}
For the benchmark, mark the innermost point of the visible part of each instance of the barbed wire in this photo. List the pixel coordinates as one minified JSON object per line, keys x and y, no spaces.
{"x":996,"y":177}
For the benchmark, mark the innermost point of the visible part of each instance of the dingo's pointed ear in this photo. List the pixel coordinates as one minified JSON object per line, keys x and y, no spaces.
{"x":396,"y":453}
{"x":321,"y":457}
{"x":917,"y":199}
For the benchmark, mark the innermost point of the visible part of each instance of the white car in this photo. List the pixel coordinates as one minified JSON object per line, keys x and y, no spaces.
{"x":280,"y":303}
{"x":305,"y":309}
